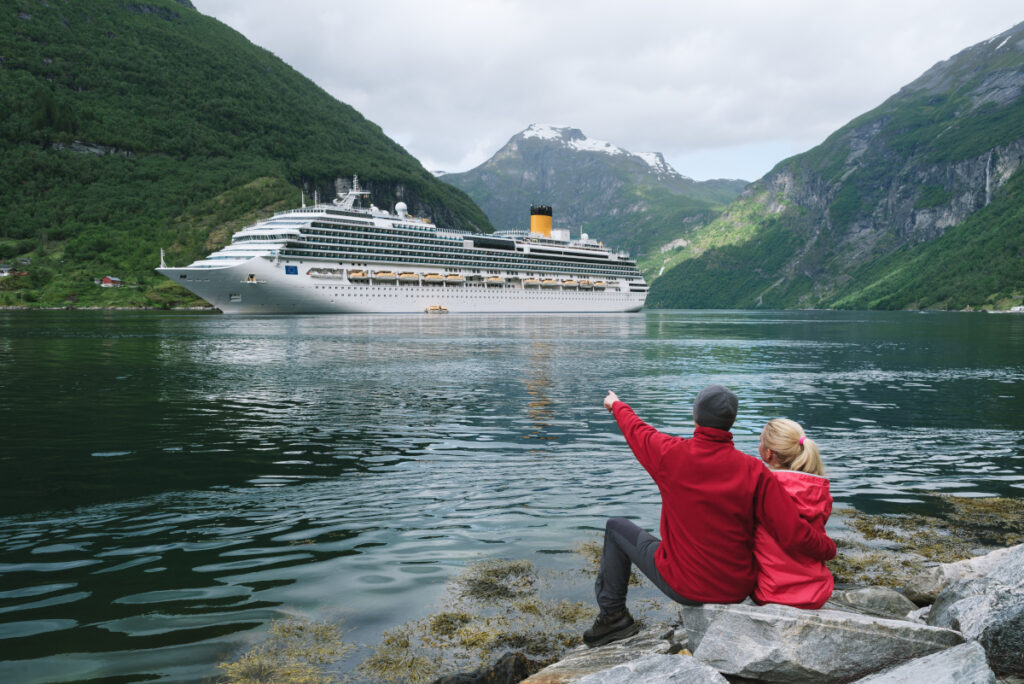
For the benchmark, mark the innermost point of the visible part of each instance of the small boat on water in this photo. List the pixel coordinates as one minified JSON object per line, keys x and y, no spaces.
{"x":436,"y":309}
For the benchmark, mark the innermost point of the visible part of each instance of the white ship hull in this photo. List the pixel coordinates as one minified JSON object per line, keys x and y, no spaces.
{"x":262,"y":286}
{"x":338,"y":258}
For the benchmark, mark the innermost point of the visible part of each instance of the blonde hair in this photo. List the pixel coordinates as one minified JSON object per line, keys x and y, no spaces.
{"x":783,"y":437}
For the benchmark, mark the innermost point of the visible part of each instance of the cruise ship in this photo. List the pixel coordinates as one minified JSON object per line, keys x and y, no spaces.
{"x":339,"y":258}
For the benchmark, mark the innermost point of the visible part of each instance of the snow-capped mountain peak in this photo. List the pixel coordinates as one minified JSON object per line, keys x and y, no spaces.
{"x":575,"y":139}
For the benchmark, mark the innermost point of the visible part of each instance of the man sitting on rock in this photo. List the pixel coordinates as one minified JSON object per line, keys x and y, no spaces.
{"x":711,"y":496}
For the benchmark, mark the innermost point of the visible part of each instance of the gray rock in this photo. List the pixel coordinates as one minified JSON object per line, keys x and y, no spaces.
{"x":925,"y":587}
{"x":989,"y":609}
{"x":582,"y":661}
{"x":509,"y":669}
{"x":881,"y":601}
{"x":658,"y":669}
{"x":990,"y":612}
{"x":784,"y":644}
{"x":963,"y":664}
{"x":920,"y":615}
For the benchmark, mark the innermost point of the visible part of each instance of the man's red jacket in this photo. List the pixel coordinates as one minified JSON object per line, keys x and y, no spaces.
{"x":712,"y":496}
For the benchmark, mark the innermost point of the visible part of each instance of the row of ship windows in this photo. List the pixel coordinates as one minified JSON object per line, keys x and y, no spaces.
{"x":480,"y":296}
{"x":442,"y":243}
{"x":462,"y":288}
{"x":371,"y":255}
{"x":396,"y":248}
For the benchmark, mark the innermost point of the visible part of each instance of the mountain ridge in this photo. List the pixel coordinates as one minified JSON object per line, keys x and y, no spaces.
{"x":632,"y":201}
{"x":895,"y":180}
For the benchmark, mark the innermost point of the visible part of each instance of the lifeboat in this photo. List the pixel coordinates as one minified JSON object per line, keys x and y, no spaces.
{"x":409,"y":277}
{"x":358,"y":275}
{"x":436,"y":309}
{"x":385,"y":276}
{"x":598,"y":284}
{"x":495,"y":280}
{"x":586,"y":285}
{"x":454,"y":279}
{"x":531,"y":282}
{"x":549,"y":283}
{"x":433,"y":279}
{"x":570,"y":284}
{"x":325,"y":273}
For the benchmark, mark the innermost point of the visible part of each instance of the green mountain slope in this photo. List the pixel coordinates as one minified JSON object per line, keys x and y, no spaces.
{"x":630,"y":201}
{"x":125,"y":127}
{"x":916,"y":203}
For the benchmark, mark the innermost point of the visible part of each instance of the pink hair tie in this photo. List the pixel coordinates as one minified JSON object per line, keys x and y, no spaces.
{"x":802,"y":440}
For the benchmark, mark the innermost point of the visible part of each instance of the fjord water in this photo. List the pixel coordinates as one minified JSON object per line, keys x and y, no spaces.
{"x":172,"y":482}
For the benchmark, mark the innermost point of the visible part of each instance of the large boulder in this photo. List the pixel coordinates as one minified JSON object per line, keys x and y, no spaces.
{"x":658,"y":669}
{"x":989,"y":609}
{"x":963,"y":664}
{"x":925,"y":587}
{"x":583,"y":661}
{"x":784,"y":644}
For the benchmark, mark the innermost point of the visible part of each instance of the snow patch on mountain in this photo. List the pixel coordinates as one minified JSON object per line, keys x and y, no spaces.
{"x":574,"y":139}
{"x":545,"y":131}
{"x":657,"y":162}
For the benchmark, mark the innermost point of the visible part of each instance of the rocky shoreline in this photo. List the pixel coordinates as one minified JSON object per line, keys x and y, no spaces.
{"x":965,"y":625}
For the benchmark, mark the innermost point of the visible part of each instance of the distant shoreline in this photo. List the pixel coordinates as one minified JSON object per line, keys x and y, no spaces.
{"x":107,"y":308}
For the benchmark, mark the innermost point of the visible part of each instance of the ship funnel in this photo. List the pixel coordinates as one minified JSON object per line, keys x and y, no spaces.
{"x":540,"y":220}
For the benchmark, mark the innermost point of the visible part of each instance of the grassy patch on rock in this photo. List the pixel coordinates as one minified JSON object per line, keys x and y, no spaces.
{"x":296,"y":652}
{"x":886,"y":549}
{"x":492,"y":607}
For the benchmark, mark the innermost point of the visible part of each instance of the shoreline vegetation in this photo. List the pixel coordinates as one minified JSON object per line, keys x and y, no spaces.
{"x":498,"y":607}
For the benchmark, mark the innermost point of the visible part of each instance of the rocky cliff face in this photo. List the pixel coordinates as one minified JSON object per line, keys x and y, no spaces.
{"x":632,"y":201}
{"x":897,"y":178}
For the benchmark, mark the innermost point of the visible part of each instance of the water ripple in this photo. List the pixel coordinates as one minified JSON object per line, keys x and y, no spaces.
{"x":346,"y":467}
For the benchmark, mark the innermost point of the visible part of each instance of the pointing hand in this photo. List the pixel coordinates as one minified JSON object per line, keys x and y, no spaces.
{"x":610,"y":399}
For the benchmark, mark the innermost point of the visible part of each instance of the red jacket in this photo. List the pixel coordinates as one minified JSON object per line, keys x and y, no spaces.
{"x":711,"y":497}
{"x":795,"y":579}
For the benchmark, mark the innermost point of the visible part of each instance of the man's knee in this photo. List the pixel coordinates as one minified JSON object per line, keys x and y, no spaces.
{"x":624,"y":529}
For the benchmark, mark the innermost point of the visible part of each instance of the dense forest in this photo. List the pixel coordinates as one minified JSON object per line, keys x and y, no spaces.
{"x":128,"y":127}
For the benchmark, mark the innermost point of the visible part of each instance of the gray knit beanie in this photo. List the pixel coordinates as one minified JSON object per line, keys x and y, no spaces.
{"x":715,"y":407}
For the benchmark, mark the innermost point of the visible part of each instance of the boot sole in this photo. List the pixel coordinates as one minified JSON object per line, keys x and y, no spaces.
{"x":614,"y":636}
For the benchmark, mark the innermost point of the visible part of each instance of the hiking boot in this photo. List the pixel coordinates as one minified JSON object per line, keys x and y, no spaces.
{"x":611,"y":627}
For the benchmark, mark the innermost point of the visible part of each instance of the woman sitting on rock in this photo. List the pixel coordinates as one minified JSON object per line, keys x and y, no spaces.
{"x":795,"y":463}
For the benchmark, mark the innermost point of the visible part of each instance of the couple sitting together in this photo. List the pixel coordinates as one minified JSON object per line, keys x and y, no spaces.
{"x":732,"y":526}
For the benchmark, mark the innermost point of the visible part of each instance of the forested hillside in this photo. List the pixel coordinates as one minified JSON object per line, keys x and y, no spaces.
{"x":917,"y":203}
{"x":126,"y":127}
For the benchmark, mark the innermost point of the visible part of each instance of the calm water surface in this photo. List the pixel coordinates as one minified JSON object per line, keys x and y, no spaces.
{"x":172,"y":482}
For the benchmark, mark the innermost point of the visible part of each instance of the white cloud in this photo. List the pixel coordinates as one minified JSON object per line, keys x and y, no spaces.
{"x":719,"y":88}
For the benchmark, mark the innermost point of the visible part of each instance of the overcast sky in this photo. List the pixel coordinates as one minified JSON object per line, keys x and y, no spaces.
{"x":723,"y":88}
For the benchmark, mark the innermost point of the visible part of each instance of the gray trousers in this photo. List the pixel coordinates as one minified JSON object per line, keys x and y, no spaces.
{"x":626,"y":544}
